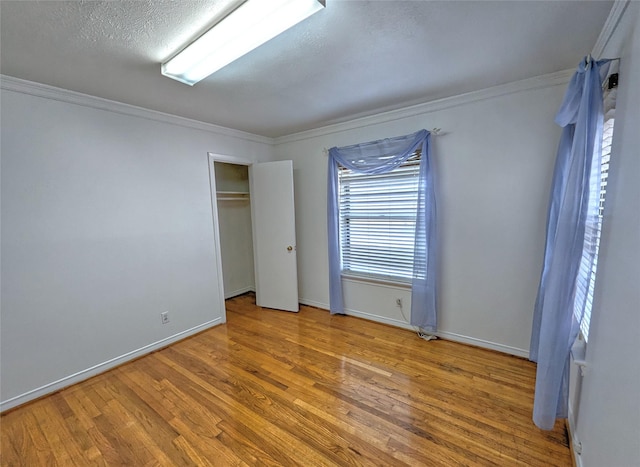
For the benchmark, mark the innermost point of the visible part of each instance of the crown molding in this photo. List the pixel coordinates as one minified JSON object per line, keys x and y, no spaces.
{"x":10,"y":83}
{"x":610,"y":25}
{"x":543,"y":81}
{"x":380,"y":116}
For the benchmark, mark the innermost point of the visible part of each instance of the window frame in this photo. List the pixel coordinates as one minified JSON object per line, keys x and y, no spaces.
{"x":351,"y":266}
{"x":585,"y":289}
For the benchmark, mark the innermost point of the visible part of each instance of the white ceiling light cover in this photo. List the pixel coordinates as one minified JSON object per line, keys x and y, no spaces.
{"x":246,"y":28}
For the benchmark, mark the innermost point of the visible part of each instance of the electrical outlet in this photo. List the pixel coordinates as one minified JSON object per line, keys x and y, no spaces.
{"x":399,"y":302}
{"x":165,"y":317}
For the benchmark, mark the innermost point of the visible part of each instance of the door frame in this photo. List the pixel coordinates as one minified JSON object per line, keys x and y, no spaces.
{"x":211,"y":159}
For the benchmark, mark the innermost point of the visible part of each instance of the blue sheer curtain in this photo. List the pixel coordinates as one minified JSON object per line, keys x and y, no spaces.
{"x":379,"y":157}
{"x":572,"y":203}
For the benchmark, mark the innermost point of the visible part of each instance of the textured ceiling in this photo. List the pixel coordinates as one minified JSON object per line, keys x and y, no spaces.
{"x":352,"y":58}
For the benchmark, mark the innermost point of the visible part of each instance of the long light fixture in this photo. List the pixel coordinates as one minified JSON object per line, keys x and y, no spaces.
{"x":249,"y":26}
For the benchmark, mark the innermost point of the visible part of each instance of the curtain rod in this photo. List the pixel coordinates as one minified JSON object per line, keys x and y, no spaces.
{"x":434,"y":132}
{"x":589,"y":58}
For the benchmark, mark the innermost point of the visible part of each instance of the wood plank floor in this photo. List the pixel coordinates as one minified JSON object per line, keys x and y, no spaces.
{"x":277,"y":388}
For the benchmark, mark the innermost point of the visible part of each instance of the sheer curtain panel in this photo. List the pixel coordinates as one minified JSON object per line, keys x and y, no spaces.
{"x":380,"y":157}
{"x":573,"y":205}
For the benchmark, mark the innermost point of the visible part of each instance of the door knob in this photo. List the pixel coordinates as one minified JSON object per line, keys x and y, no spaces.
{"x":289,"y":248}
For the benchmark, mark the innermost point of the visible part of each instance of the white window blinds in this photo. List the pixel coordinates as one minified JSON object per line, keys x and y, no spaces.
{"x":587,"y":276}
{"x":378,"y":220}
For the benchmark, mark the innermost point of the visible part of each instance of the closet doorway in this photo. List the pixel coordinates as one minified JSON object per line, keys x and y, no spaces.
{"x":254,"y":219}
{"x":234,"y":227}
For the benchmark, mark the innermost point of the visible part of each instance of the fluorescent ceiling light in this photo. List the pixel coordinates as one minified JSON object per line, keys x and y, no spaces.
{"x":249,"y":26}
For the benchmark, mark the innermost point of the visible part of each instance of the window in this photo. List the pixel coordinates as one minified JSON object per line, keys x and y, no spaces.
{"x":377,"y":221}
{"x":587,"y":277}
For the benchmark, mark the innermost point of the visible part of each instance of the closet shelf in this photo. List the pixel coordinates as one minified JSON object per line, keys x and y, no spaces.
{"x":231,"y":195}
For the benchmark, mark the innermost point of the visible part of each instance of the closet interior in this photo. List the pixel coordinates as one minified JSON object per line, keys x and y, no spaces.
{"x":234,"y":219}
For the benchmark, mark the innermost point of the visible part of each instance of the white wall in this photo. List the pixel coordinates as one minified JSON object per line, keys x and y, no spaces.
{"x":106,"y":222}
{"x":493,"y":167}
{"x":608,"y":426}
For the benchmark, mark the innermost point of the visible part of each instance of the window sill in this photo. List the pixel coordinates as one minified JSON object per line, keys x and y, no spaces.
{"x":377,"y":280}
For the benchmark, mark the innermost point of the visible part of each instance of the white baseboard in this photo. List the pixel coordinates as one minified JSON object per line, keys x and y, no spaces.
{"x":321,"y":305}
{"x":452,"y":336}
{"x":102,"y":367}
{"x":380,"y":319}
{"x":444,"y":334}
{"x":235,"y":293}
{"x":574,"y":442}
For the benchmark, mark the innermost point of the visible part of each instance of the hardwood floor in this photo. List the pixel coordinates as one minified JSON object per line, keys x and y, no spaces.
{"x":277,"y":388}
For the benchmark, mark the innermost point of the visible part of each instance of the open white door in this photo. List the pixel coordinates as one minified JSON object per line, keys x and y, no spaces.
{"x":274,"y":235}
